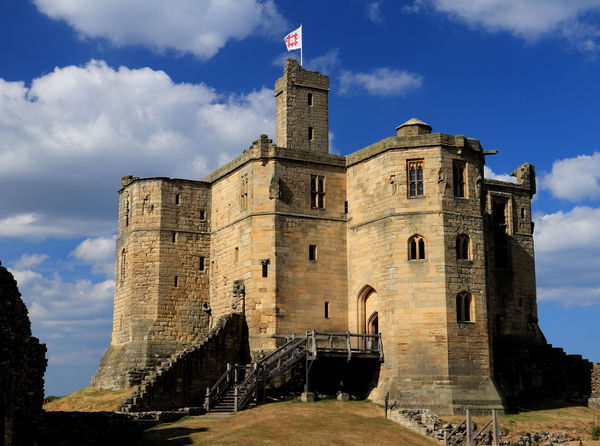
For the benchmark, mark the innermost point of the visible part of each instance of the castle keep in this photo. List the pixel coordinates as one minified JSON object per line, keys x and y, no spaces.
{"x":404,"y":237}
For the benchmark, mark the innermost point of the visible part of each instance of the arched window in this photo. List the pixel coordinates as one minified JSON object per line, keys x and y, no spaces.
{"x":464,"y":307}
{"x":462,"y":247}
{"x":123,"y":266}
{"x":416,"y":248}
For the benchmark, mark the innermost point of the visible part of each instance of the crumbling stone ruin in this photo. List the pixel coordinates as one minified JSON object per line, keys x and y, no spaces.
{"x":22,"y":365}
{"x":405,"y":237}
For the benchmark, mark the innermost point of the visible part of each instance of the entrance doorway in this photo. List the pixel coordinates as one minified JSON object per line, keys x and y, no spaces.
{"x":368,"y":311}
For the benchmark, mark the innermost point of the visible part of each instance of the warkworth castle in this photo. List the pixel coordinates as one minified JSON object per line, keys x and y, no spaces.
{"x":404,"y":237}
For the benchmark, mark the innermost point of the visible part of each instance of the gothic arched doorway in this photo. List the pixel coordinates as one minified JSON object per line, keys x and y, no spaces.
{"x":368,"y":311}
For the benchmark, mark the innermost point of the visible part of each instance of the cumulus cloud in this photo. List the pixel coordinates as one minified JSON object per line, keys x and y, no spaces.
{"x":373,"y":10}
{"x":380,"y":82}
{"x":186,"y":26}
{"x":531,"y":20}
{"x":99,"y":252}
{"x":568,"y":263}
{"x":490,"y":174}
{"x":70,"y":136}
{"x":27,"y":261}
{"x":574,"y":179}
{"x":325,"y":63}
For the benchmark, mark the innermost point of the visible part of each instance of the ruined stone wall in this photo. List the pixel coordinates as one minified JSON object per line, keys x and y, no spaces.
{"x":22,"y":364}
{"x":181,"y":381}
{"x":594,"y":400}
{"x":513,"y":301}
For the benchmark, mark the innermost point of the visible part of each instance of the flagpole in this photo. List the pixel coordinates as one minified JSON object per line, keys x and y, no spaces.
{"x":301,"y":46}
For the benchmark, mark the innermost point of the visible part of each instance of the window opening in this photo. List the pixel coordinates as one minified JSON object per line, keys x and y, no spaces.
{"x":178,"y":199}
{"x":326,"y":310}
{"x":265,"y":267}
{"x":123,"y":265}
{"x":312,"y":252}
{"x":310,"y":133}
{"x":201,"y":263}
{"x":310,"y":99}
{"x":345,"y":207}
{"x":317,"y":191}
{"x":416,"y":248}
{"x":501,"y":240}
{"x":127,"y":212}
{"x":415,"y":178}
{"x":458,"y":171}
{"x":202,"y":214}
{"x":174,"y":237}
{"x":244,"y":192}
{"x":462,"y":247}
{"x":176,"y":281}
{"x":464,"y":307}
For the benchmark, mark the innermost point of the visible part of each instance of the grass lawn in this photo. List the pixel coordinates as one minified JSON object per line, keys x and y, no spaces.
{"x":88,"y":399}
{"x":288,"y":423}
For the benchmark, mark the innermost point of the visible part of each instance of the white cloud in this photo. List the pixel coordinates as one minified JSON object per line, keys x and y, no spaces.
{"x":99,"y":252}
{"x":187,"y":26}
{"x":531,"y":19}
{"x":578,"y":229}
{"x":381,"y":82}
{"x":325,"y":63}
{"x":567,"y":256}
{"x":27,"y":261}
{"x":575,"y":179}
{"x":373,"y":10}
{"x":490,"y":174}
{"x":68,"y":139}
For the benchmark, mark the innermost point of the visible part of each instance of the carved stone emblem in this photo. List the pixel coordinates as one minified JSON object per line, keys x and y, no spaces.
{"x":275,"y":188}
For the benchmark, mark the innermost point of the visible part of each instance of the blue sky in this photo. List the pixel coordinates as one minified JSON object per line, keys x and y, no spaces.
{"x":91,"y":91}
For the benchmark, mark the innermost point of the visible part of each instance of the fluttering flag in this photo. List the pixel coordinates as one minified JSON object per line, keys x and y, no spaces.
{"x":293,"y":41}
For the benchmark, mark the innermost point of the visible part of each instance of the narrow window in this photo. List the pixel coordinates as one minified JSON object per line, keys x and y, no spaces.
{"x":415,"y":178}
{"x":265,"y":267}
{"x":236,"y":254}
{"x":345,"y":207}
{"x":174,"y":237}
{"x":202,"y":214}
{"x":201,"y":263}
{"x":458,"y":177}
{"x":123,"y":265}
{"x":178,"y":199}
{"x":462,"y":247}
{"x":464,"y":307}
{"x":317,"y":191}
{"x":326,"y":310}
{"x":176,"y":281}
{"x":312,"y":252}
{"x":416,"y":248}
{"x":310,"y":99}
{"x":244,"y":192}
{"x":127,"y":212}
{"x":522,"y":212}
{"x":310,"y":133}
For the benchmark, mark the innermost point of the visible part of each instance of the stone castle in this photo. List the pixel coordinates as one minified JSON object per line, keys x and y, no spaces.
{"x":405,"y":237}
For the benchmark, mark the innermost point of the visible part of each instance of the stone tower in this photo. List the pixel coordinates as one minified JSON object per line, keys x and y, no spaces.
{"x":163,"y":249}
{"x":302,"y":109}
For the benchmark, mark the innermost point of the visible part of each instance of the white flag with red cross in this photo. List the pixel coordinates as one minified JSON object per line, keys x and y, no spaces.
{"x":293,"y":41}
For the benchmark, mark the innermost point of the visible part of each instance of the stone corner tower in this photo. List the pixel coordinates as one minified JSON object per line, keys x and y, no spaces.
{"x":302,"y":109}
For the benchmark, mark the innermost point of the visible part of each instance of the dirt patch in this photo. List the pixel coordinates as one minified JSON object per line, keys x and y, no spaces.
{"x":88,"y":399}
{"x":289,"y":424}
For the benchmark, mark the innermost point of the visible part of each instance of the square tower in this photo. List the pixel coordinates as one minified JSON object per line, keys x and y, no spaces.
{"x":302,"y":109}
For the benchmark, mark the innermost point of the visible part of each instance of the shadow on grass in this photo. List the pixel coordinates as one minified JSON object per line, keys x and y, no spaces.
{"x":528,"y":405}
{"x":173,"y":436}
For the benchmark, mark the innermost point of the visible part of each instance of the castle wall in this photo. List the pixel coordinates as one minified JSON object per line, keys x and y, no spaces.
{"x":160,"y":289}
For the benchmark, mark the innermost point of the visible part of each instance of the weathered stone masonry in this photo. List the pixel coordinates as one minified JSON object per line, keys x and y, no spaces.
{"x":404,"y":237}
